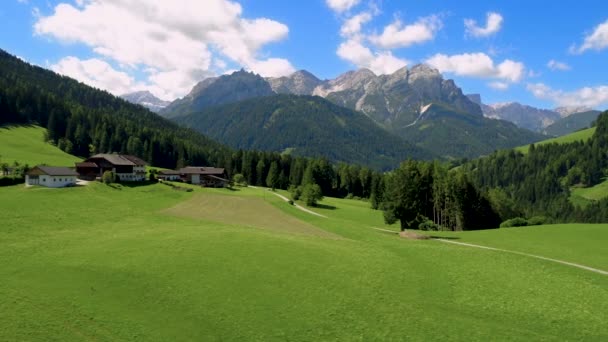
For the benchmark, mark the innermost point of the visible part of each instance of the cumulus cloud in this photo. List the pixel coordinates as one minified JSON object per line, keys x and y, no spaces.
{"x":478,"y":65}
{"x":340,"y":6}
{"x":555,"y":65}
{"x":95,"y":72}
{"x":179,"y":39}
{"x":398,"y":35}
{"x":596,"y":40}
{"x":591,"y":97}
{"x":380,"y":63}
{"x":353,"y":25}
{"x":493,"y":25}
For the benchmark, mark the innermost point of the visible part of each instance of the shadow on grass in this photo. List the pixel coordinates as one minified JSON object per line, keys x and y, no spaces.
{"x":444,"y":237}
{"x":325,"y":206}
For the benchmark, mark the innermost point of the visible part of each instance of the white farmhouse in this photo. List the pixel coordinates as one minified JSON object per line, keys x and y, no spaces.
{"x":51,"y":176}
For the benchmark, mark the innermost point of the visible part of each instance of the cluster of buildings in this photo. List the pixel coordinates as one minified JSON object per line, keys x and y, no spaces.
{"x":127,"y":168}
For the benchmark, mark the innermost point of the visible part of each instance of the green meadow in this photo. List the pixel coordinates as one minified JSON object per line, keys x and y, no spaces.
{"x":149,"y":263}
{"x":582,"y":135}
{"x":26,"y":145}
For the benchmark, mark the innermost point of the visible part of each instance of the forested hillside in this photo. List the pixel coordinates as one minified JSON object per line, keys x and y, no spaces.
{"x":305,"y":126}
{"x":538,"y":183}
{"x":82,"y":120}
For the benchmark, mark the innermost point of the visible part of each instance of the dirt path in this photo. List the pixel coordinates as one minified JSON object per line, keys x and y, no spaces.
{"x":563,"y":262}
{"x":587,"y":268}
{"x":297,"y":205}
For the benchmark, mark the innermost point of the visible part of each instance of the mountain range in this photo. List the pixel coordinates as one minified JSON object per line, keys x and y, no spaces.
{"x":405,"y":104}
{"x":306,"y":126}
{"x":559,"y":121}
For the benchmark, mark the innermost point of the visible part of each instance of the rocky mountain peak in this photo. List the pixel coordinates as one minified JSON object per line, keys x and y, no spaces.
{"x":569,"y":110}
{"x":300,"y":82}
{"x":146,"y":99}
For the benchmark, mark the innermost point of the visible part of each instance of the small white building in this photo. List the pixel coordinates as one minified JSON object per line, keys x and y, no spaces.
{"x":51,"y":176}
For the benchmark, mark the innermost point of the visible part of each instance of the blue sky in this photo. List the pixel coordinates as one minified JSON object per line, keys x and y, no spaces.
{"x":542,"y":53}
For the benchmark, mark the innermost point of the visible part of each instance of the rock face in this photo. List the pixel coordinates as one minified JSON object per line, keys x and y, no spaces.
{"x":524,"y":116}
{"x":395,"y":100}
{"x":238,"y":86}
{"x":299,"y":83}
{"x":146,"y":99}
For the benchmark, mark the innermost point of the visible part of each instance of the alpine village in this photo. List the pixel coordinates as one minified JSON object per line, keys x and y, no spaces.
{"x":182,"y":185}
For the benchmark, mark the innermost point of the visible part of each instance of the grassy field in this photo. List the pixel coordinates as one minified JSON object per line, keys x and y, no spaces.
{"x":25,"y":144}
{"x":581,"y":135}
{"x":154,"y":264}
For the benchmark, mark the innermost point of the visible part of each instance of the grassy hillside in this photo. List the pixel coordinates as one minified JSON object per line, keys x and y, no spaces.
{"x":142,"y":263}
{"x":581,"y":135}
{"x":584,"y":196}
{"x":25,"y":144}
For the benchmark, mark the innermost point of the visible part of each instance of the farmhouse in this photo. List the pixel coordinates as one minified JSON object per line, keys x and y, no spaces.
{"x":51,"y":176}
{"x":212,"y":177}
{"x":170,"y":175}
{"x":126,"y":167}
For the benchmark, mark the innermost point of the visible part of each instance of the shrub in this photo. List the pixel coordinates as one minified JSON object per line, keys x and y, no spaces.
{"x":514,"y":222}
{"x":537,"y":221}
{"x":295,"y":191}
{"x":108,"y":177}
{"x":428,"y":225}
{"x":239,"y":179}
{"x":291,"y":202}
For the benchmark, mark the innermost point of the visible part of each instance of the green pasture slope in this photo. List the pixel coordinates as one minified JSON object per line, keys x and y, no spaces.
{"x":581,"y":135}
{"x":143,"y":264}
{"x":25,"y":144}
{"x":584,"y":196}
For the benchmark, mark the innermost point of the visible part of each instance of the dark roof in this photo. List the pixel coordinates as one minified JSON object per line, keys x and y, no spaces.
{"x":199,"y":170}
{"x":86,"y":164}
{"x":56,"y":170}
{"x":135,"y":160}
{"x":119,"y":159}
{"x":168,"y":172}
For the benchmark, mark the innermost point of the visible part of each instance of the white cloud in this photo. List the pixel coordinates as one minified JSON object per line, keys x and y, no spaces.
{"x":596,"y":40}
{"x":380,"y":63}
{"x":95,"y":72}
{"x":499,"y":85}
{"x":352,"y":26}
{"x":555,"y":65}
{"x":180,"y":39}
{"x":398,"y":35}
{"x":592,"y":97}
{"x":493,"y":25}
{"x":478,"y":65}
{"x":341,"y":6}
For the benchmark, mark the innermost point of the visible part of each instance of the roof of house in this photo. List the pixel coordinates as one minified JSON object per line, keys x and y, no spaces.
{"x":119,"y":159}
{"x":200,"y":170}
{"x":168,"y":172}
{"x":55,"y":170}
{"x":86,"y":164}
